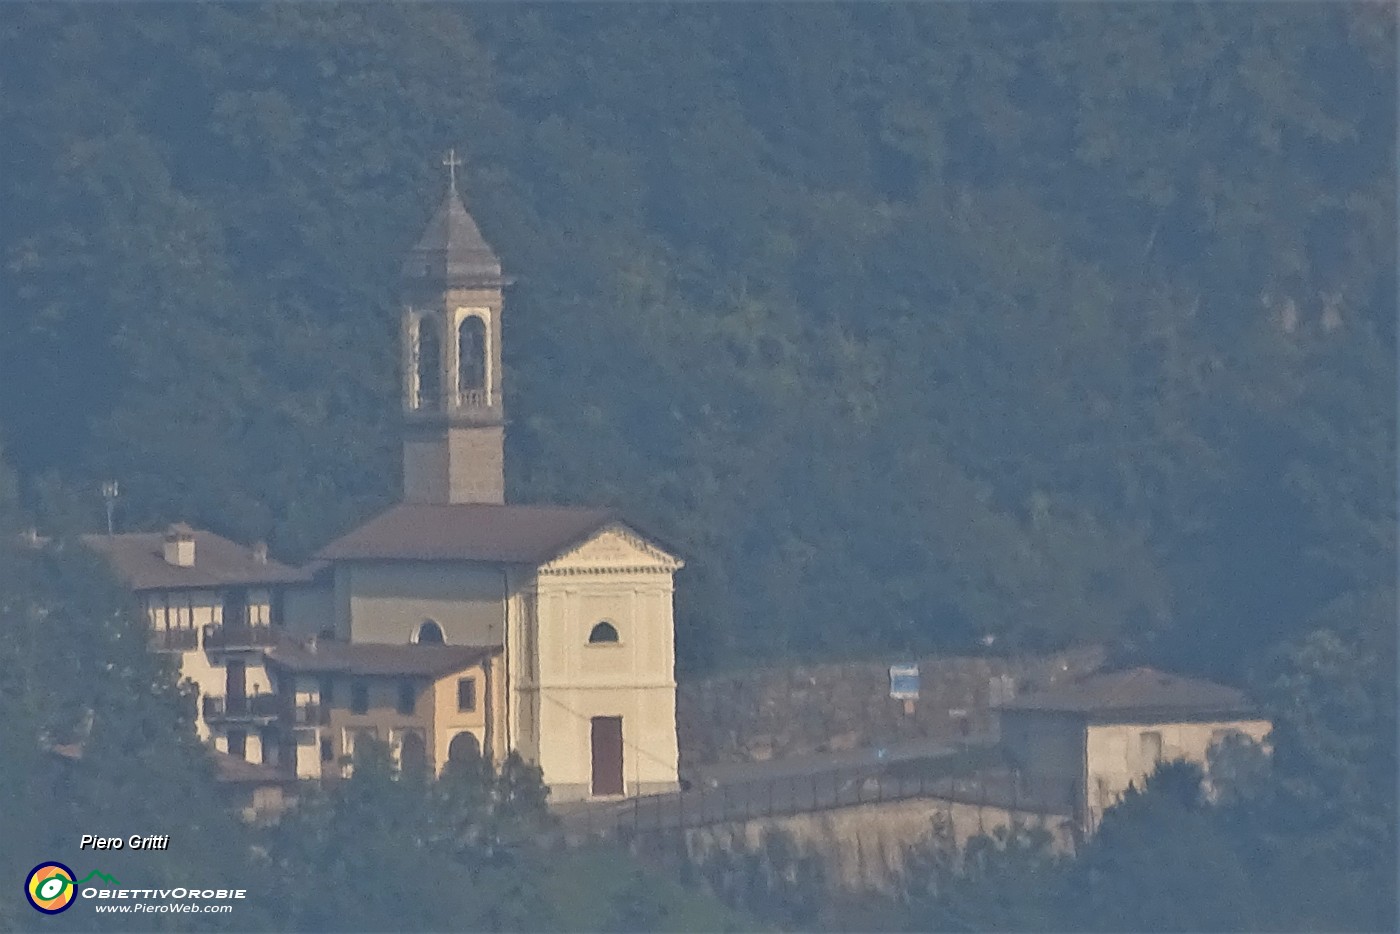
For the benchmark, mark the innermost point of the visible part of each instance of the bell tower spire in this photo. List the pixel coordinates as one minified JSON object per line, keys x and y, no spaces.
{"x":454,"y":417}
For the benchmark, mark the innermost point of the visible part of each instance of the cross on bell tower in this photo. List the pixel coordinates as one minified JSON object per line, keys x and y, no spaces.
{"x":451,"y":161}
{"x":454,"y":417}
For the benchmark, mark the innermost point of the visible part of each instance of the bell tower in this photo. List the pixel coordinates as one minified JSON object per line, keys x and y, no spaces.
{"x":454,"y":418}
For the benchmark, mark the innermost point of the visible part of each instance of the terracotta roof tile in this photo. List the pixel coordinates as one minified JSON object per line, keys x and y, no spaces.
{"x":469,"y":532}
{"x":367,"y":658}
{"x":138,"y":558}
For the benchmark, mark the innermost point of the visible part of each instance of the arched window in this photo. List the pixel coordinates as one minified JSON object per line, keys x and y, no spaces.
{"x":464,"y":748}
{"x":602,"y":633}
{"x":429,"y":633}
{"x":427,"y":354}
{"x":413,"y":753}
{"x":471,"y":359}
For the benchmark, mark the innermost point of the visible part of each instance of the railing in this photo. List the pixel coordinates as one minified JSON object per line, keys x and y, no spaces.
{"x":175,"y":640}
{"x":250,"y":707}
{"x":238,"y":637}
{"x":474,"y":398}
{"x":820,"y":791}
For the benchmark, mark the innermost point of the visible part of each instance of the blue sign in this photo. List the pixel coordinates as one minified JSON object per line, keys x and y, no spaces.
{"x":904,"y":682}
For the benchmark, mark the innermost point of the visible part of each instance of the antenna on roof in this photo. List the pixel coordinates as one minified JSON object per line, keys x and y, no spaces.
{"x":110,"y":492}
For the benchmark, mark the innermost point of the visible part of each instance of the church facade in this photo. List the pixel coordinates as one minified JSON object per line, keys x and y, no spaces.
{"x":577,"y":601}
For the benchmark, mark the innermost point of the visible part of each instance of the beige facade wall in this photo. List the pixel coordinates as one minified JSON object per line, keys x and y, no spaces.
{"x":449,"y":720}
{"x":381,"y":718}
{"x":195,"y":609}
{"x":562,"y":681}
{"x":1120,"y":754}
{"x":387,"y":602}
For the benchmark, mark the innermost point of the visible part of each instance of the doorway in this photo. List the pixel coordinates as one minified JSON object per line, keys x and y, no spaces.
{"x":607,"y":756}
{"x":235,"y":686}
{"x":235,"y":610}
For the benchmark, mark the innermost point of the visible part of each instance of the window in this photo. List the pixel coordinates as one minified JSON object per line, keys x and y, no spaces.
{"x":471,"y":356}
{"x":407,"y":697}
{"x":464,"y":748}
{"x":413,"y":752}
{"x":238,"y":743}
{"x":327,"y":753}
{"x":327,"y":692}
{"x":430,"y":633}
{"x":359,"y":697}
{"x":604,"y":632}
{"x":358,"y":740}
{"x":427,"y":354}
{"x":1151,"y":747}
{"x":466,"y":695}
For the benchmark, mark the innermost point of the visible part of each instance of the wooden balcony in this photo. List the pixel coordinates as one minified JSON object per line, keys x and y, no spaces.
{"x":234,"y":638}
{"x":253,"y":707}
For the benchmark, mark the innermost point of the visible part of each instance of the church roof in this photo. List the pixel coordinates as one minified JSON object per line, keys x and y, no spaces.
{"x":497,"y":534}
{"x":453,"y":250}
{"x":1139,"y":693}
{"x":138,"y":558}
{"x":369,"y":658}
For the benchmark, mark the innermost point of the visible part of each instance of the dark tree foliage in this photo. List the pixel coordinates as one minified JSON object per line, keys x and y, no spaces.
{"x":1050,"y":322}
{"x":75,"y":673}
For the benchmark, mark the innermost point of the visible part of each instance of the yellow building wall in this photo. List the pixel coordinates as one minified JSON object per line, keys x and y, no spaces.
{"x":448,"y":720}
{"x":1116,"y":754}
{"x":562,"y":681}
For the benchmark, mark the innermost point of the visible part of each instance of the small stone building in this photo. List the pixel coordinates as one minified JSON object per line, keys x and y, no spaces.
{"x":1104,"y":732}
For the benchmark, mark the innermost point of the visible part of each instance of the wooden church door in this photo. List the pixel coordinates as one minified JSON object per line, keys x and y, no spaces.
{"x":607,"y":755}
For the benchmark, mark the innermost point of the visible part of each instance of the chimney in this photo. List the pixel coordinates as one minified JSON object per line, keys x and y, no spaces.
{"x":260,"y":552}
{"x":179,"y":546}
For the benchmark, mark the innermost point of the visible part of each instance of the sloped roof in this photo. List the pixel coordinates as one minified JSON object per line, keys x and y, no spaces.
{"x":1136,"y":693}
{"x":485,"y":532}
{"x":138,"y":558}
{"x":375,"y":659}
{"x":453,"y":249}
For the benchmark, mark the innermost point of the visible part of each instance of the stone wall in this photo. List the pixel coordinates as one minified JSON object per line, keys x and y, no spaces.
{"x":864,"y":848}
{"x":772,"y":713}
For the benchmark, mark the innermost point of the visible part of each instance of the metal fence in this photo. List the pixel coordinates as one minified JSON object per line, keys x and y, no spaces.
{"x":786,"y":795}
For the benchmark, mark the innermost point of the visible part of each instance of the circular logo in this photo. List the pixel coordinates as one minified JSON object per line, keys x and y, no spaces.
{"x":50,"y":888}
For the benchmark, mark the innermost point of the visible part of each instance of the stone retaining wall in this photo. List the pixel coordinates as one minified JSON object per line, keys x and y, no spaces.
{"x":762,"y":714}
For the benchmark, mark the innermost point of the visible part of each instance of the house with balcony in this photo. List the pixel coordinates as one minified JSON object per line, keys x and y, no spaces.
{"x":217,"y":605}
{"x":429,"y":703}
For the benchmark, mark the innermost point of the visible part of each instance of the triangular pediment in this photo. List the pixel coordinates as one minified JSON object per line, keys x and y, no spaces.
{"x":614,"y":547}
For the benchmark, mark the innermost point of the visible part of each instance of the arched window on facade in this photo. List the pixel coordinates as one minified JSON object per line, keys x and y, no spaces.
{"x":464,"y":748}
{"x":413,"y":753}
{"x":427,"y":360}
{"x":429,"y":633}
{"x":471,"y":361}
{"x":604,"y":632}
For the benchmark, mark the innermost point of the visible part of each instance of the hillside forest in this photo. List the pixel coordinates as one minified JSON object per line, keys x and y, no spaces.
{"x":915,"y":327}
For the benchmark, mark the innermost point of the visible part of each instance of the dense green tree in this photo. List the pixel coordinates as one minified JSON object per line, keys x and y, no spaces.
{"x":1052,"y":323}
{"x":75,"y":673}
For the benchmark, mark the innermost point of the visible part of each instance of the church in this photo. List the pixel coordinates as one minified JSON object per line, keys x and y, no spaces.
{"x":453,"y":618}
